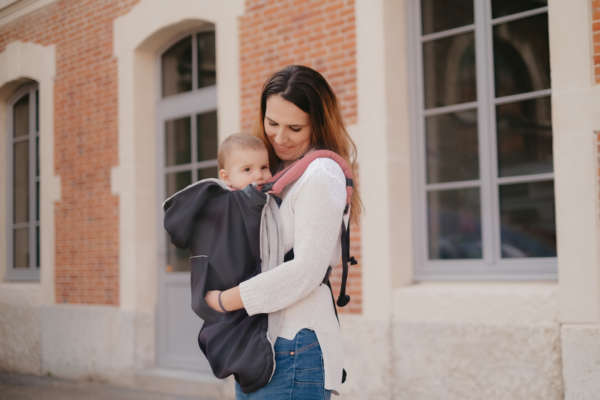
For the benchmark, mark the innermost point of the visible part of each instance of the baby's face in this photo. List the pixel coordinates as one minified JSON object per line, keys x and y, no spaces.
{"x":246,"y":166}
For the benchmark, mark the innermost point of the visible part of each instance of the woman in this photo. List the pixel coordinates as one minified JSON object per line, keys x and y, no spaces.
{"x":299,"y":113}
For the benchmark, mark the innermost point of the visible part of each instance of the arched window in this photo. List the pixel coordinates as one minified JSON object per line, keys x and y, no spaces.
{"x":188,"y":119}
{"x":24,"y":182}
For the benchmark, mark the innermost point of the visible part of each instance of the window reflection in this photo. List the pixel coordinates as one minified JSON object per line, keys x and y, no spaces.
{"x":435,"y":15}
{"x":454,"y":224}
{"x":521,"y":56}
{"x":524,"y":137}
{"x":452,"y":147}
{"x":528,"y":227}
{"x":178,"y":141}
{"x":449,"y":70}
{"x":177,"y":68}
{"x":500,"y":8}
{"x":207,"y":71}
{"x":206,"y":126}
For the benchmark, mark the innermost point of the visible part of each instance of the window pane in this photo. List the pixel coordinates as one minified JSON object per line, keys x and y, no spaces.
{"x":37,"y":201}
{"x":449,"y":70}
{"x":37,"y":246}
{"x":210,"y":172}
{"x":178,"y":141}
{"x":21,"y":248}
{"x":524,"y":137}
{"x":206,"y":59}
{"x":452,"y":147}
{"x":37,"y":110}
{"x":21,"y":117}
{"x":176,"y":181}
{"x":501,"y":8}
{"x":37,"y":156}
{"x":454,"y":224}
{"x":441,"y":15}
{"x":527,"y":220}
{"x":21,"y":182}
{"x":521,"y":56}
{"x":177,"y":259}
{"x":177,"y":68}
{"x":206,"y":124}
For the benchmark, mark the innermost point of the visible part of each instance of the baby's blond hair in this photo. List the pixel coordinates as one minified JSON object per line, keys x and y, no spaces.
{"x":237,"y":141}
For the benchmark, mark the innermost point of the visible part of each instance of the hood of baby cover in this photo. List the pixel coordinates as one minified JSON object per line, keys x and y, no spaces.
{"x":207,"y":217}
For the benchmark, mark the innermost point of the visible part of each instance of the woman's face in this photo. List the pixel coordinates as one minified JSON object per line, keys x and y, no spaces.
{"x":287,"y":128}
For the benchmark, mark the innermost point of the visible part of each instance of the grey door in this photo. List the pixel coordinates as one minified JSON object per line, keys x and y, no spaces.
{"x":187,"y":152}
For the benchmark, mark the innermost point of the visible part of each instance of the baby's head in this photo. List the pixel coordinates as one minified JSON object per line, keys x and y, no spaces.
{"x":243,"y":159}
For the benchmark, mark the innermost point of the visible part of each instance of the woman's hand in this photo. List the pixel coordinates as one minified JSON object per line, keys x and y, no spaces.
{"x":212,"y":299}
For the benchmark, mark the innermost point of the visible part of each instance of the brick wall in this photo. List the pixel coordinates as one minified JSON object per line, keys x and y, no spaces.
{"x":319,"y":34}
{"x":272,"y":34}
{"x":596,"y":35}
{"x":85,"y":138}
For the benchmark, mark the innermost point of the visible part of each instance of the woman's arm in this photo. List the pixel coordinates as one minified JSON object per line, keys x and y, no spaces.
{"x":230,"y":299}
{"x":318,"y":205}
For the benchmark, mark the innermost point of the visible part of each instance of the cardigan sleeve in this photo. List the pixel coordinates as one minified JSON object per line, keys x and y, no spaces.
{"x":318,"y":207}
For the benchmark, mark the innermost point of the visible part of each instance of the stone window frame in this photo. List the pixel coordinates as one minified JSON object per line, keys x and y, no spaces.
{"x":491,"y":266}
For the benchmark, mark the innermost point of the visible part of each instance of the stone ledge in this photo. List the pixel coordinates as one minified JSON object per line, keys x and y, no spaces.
{"x":581,"y":361}
{"x":478,"y":303}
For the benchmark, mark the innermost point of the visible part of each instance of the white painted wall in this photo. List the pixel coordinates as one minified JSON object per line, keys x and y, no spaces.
{"x":575,"y":116}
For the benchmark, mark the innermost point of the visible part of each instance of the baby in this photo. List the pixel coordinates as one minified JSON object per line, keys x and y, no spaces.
{"x":243,"y":159}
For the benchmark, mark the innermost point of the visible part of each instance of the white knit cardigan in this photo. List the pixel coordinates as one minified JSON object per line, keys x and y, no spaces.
{"x":309,"y":221}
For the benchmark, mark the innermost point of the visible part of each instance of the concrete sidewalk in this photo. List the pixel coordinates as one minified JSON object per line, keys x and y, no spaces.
{"x":28,"y":387}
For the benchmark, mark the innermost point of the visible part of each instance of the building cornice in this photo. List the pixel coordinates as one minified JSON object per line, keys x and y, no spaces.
{"x":13,"y":9}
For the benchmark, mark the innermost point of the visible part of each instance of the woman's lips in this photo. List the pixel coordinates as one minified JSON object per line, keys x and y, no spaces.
{"x":282,"y":149}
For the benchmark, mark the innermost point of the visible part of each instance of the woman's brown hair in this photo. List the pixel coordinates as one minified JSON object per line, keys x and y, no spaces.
{"x":310,"y":92}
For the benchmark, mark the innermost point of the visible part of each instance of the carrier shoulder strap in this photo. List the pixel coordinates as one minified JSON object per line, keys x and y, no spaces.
{"x":291,"y":173}
{"x":283,"y":178}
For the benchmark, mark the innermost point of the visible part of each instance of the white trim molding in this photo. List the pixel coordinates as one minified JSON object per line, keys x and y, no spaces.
{"x":21,"y":63}
{"x":139,"y":38}
{"x":575,"y":117}
{"x":13,"y":9}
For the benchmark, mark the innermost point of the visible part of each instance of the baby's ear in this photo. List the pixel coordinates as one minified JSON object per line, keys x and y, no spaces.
{"x":223,"y":175}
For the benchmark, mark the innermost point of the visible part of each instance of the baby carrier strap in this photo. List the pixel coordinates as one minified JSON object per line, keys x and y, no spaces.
{"x":290,"y":174}
{"x":283,"y":178}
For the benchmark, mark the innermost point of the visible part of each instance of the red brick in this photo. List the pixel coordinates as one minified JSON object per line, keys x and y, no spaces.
{"x":85,"y":130}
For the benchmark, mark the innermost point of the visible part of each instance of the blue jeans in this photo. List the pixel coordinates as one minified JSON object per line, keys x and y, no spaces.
{"x":298,"y":373}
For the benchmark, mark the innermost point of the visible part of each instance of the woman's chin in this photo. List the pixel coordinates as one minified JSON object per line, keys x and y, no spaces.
{"x":285,"y":156}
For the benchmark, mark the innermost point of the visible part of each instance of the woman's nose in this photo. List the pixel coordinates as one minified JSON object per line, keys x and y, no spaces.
{"x":279,"y":136}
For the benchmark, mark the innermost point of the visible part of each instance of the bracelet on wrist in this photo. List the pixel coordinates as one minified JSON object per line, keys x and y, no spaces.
{"x":221,"y":303}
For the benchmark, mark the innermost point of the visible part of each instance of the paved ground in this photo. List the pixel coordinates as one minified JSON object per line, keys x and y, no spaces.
{"x":27,"y":387}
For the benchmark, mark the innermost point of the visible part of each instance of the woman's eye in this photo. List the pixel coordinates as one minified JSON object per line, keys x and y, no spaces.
{"x":295,"y":128}
{"x":246,"y":169}
{"x":272,"y":123}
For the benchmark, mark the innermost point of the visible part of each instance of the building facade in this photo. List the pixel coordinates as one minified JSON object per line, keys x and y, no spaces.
{"x":478,"y":138}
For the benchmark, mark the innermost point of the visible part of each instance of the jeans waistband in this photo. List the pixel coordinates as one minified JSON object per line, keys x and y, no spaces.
{"x":304,"y":339}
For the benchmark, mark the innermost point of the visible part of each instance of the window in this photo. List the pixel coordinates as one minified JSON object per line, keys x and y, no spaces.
{"x":188,"y":120}
{"x":24,"y":182}
{"x":483,"y":139}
